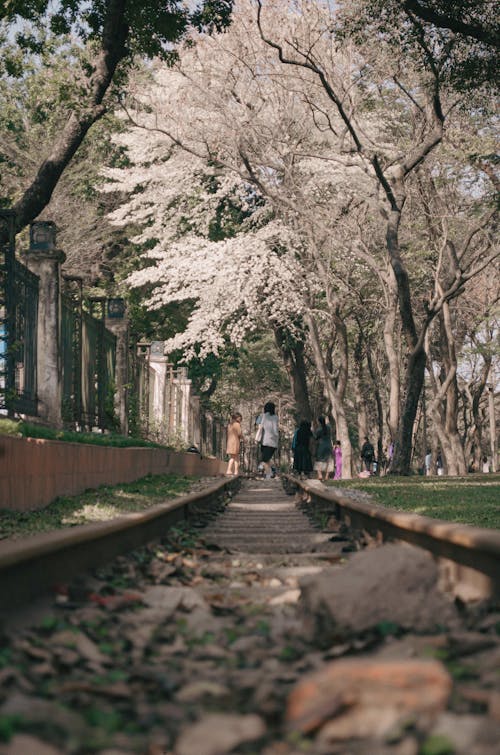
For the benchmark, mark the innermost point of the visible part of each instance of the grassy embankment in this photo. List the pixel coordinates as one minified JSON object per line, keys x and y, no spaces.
{"x":473,"y":500}
{"x":98,"y":505}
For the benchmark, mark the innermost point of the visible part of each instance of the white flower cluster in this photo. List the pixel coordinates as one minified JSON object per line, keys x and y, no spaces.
{"x":236,"y":285}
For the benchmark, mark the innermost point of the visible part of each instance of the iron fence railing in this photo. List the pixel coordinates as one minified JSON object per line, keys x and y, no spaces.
{"x":98,"y":368}
{"x":88,"y":362}
{"x":18,"y":326}
{"x":71,"y":359}
{"x":25,"y":339}
{"x":213,"y":435}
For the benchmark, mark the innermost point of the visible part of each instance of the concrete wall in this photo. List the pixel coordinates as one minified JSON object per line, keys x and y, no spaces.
{"x":33,"y":472}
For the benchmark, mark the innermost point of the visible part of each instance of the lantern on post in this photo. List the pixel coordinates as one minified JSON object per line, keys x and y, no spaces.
{"x":42,"y":236}
{"x":116,"y":308}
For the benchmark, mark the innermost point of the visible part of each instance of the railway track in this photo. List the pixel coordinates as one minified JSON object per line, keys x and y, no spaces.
{"x":233,"y":643}
{"x":470,"y":555}
{"x":34,"y":565}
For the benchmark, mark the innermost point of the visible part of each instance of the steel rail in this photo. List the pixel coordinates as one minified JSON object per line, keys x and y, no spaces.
{"x":470,"y":555}
{"x":30,"y":567}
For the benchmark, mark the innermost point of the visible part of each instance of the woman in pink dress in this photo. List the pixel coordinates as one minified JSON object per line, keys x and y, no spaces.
{"x":337,"y":453}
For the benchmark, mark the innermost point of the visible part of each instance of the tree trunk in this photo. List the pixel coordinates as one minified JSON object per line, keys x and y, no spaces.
{"x":358,"y":388}
{"x":392,"y":358}
{"x":292,"y":353}
{"x":416,"y":358}
{"x":333,"y":396}
{"x":444,"y":406}
{"x":476,"y":395}
{"x":37,"y":196}
{"x":492,"y":427}
{"x":456,"y":464}
{"x":378,"y":402}
{"x":414,"y":381}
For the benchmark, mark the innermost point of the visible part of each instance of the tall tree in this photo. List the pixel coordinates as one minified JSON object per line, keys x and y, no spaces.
{"x":392,"y":172}
{"x":333,"y":139}
{"x":115,"y":31}
{"x":33,"y":109}
{"x":469,"y":30}
{"x":183,"y":203}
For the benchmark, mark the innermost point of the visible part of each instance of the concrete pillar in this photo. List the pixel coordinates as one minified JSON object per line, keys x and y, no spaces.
{"x":195,"y":422}
{"x":47,"y":265}
{"x":183,"y":384}
{"x":119,"y":327}
{"x":160,"y":408}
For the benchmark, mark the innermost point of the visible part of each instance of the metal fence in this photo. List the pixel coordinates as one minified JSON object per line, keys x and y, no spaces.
{"x":140,"y":396}
{"x":88,"y":360}
{"x":71,"y":354}
{"x":213,"y":435}
{"x":18,"y":326}
{"x":156,"y":397}
{"x":251,"y":457}
{"x":162,"y":407}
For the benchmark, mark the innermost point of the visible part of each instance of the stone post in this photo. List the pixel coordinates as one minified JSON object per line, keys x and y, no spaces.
{"x":46,"y":263}
{"x":195,"y":422}
{"x":159,"y":364}
{"x":184,"y":386}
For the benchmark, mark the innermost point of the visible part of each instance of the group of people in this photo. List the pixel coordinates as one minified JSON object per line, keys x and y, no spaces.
{"x":313,"y":447}
{"x":313,"y":450}
{"x":267,"y":436}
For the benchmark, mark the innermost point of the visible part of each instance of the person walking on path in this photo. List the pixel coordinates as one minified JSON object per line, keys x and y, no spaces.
{"x":324,"y":451}
{"x":367,"y":454}
{"x":234,"y":437}
{"x":270,"y":436}
{"x":337,"y":453}
{"x":302,"y":459}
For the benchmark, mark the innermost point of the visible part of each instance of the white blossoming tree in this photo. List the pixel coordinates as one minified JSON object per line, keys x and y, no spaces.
{"x":236,"y":284}
{"x":332,"y":136}
{"x":275,"y":150}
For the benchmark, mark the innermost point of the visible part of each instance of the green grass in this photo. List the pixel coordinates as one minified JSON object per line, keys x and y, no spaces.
{"x":98,"y":505}
{"x":24,"y":429}
{"x":473,"y":500}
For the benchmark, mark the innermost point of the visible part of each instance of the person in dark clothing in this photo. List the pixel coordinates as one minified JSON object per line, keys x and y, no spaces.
{"x":324,"y":451}
{"x":367,"y":454}
{"x":302,"y":460}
